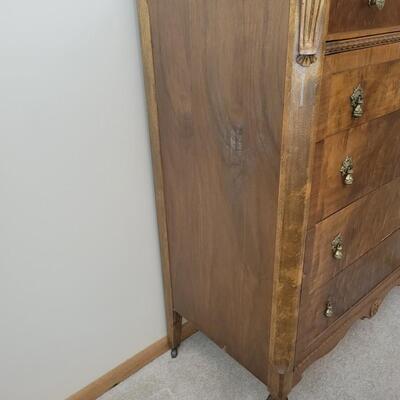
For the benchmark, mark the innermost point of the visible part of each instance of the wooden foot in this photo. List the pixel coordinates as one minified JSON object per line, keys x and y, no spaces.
{"x":174,"y":352}
{"x":175,"y":333}
{"x":279,"y":385}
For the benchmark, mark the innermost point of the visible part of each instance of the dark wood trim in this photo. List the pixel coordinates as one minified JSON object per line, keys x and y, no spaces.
{"x":340,"y":46}
{"x":128,"y":367}
{"x":174,"y":320}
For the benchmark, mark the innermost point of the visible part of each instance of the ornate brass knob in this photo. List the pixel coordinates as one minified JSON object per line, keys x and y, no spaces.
{"x":357,"y":102}
{"x":379,"y":4}
{"x":337,"y":248}
{"x":347,"y":171}
{"x":329,"y":311}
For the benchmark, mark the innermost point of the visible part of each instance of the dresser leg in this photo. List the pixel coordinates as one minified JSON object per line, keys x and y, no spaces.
{"x":174,"y":352}
{"x":279,"y":384}
{"x":175,"y":334}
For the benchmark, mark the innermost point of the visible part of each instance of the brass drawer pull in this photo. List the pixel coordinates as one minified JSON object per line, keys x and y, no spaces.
{"x":379,"y":4}
{"x":337,"y":248}
{"x":329,"y":311}
{"x":347,"y":171}
{"x":357,"y":102}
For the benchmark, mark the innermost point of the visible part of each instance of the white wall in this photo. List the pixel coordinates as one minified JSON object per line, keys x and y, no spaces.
{"x":80,"y":278}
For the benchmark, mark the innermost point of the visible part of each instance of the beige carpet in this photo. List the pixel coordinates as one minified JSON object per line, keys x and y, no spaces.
{"x":364,"y":366}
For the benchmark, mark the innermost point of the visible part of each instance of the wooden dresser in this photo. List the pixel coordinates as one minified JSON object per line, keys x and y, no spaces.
{"x":275,"y":132}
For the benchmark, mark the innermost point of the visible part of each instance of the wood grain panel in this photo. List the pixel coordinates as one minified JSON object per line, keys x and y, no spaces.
{"x":342,"y":62}
{"x":346,"y":289}
{"x":363,"y":225}
{"x":363,"y":34}
{"x":381,"y":86}
{"x":374,"y":148}
{"x":220,"y":102}
{"x":356,"y":15}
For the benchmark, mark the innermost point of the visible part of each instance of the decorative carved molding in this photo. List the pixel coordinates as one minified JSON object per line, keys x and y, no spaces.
{"x":374,"y":309}
{"x":310,"y":16}
{"x":340,"y":46}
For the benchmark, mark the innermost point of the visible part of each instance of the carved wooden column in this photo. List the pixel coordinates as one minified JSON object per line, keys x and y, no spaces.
{"x":311,"y":12}
{"x":308,"y":24}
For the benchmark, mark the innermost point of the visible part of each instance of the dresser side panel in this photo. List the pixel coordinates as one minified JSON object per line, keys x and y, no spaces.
{"x":220,"y":77}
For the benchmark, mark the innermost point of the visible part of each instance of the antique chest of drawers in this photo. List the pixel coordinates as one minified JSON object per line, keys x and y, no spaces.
{"x":275,"y":133}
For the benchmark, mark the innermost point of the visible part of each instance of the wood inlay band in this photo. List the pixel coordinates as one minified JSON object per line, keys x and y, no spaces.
{"x":340,"y":46}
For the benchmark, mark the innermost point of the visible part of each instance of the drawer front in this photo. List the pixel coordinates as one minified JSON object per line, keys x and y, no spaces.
{"x":361,"y":226}
{"x":321,"y":309}
{"x":353,"y":97}
{"x":353,"y":163}
{"x":357,"y":15}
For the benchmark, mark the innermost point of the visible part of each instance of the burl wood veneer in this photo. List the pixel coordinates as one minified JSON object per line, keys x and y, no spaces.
{"x":274,"y":128}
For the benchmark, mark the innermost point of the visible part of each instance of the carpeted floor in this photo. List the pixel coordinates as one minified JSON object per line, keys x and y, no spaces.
{"x":364,"y":366}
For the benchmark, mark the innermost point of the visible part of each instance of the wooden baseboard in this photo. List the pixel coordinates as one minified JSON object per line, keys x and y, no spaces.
{"x":129,"y":367}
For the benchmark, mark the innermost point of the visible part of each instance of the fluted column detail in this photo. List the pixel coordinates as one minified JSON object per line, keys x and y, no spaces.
{"x":310,"y":21}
